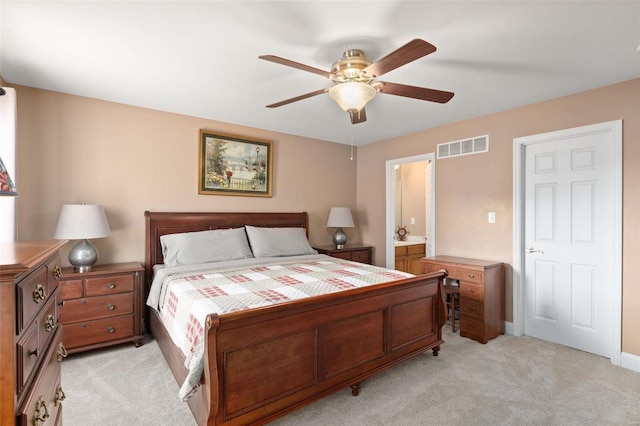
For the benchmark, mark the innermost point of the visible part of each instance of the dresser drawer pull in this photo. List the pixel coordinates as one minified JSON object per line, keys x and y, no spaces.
{"x":60,"y":396}
{"x":57,"y":272}
{"x":39,"y":293}
{"x":41,"y":413}
{"x":111,"y":306}
{"x":50,"y":323}
{"x":111,"y":329}
{"x":62,"y":352}
{"x":61,"y":303}
{"x":35,"y":352}
{"x":471,"y":290}
{"x":111,"y":285}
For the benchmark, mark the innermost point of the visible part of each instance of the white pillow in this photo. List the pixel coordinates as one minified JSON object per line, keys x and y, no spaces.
{"x":191,"y":248}
{"x":271,"y":242}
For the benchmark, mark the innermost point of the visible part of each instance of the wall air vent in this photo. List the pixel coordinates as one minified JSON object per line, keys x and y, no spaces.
{"x":474,"y":145}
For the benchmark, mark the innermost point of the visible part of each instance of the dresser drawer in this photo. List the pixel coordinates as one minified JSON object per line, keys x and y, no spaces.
{"x":362,"y":256}
{"x":109,"y":285}
{"x":45,"y":397}
{"x":93,"y":308}
{"x":48,"y":322}
{"x":28,"y":352}
{"x":469,"y":275}
{"x":35,"y":340}
{"x":103,"y":330}
{"x":472,"y":308}
{"x":71,"y":289}
{"x":471,"y":327}
{"x":32,"y":294}
{"x":428,"y":267}
{"x":471,"y":291}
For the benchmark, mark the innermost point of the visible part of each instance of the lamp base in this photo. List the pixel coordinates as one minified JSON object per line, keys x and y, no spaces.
{"x":83,"y":256}
{"x":339,"y":238}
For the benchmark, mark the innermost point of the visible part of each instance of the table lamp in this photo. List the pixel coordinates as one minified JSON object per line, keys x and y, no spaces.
{"x":81,"y":222}
{"x":340,"y":217}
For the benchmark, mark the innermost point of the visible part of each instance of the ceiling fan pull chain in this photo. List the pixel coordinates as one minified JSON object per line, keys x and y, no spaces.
{"x":351,"y":127}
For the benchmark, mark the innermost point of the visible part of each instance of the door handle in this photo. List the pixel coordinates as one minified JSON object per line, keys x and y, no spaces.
{"x":531,"y":250}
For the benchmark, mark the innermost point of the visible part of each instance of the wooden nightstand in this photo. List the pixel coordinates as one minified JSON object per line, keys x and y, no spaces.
{"x":362,"y":254}
{"x":101,"y":307}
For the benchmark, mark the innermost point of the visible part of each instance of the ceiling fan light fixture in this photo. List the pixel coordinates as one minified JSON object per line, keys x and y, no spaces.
{"x":352,"y":96}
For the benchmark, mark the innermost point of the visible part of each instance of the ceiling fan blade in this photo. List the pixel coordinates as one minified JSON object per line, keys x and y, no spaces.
{"x":297,"y":65}
{"x":414,"y":92}
{"x":297,"y":98}
{"x":411,"y":51}
{"x":358,"y":116}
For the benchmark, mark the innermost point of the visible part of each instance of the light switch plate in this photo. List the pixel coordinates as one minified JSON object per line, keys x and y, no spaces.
{"x":491,"y":217}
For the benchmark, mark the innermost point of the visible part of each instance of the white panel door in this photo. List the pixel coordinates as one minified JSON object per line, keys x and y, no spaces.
{"x":569,"y":231}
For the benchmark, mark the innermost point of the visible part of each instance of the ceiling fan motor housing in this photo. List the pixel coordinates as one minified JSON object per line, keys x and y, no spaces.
{"x":350,"y":66}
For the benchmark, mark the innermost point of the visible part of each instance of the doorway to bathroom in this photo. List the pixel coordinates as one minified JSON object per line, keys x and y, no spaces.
{"x":410,"y":203}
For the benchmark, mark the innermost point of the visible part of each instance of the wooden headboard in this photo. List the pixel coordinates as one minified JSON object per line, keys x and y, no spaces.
{"x":158,"y":224}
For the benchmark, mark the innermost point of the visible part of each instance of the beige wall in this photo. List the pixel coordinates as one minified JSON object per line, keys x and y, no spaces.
{"x":79,"y":150}
{"x":469,"y":187}
{"x":74,"y":150}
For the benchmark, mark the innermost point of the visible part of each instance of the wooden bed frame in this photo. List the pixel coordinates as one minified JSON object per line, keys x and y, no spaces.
{"x":263,"y":363}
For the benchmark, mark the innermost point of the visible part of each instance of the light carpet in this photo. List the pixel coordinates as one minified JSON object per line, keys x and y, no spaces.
{"x":509,"y":381}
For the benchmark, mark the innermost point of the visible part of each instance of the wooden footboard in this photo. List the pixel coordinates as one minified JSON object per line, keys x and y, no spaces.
{"x":266,"y":362}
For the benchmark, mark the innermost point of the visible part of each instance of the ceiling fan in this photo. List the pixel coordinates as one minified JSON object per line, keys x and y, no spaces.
{"x":354,"y":77}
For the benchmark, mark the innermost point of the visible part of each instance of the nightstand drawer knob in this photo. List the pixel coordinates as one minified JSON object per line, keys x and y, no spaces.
{"x":111,"y":306}
{"x":35,"y":352}
{"x":111,"y":285}
{"x":111,"y":329}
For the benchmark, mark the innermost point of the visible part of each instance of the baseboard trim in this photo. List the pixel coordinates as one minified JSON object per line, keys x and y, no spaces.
{"x":630,"y":361}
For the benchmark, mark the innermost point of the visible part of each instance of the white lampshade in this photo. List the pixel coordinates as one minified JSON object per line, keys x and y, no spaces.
{"x":352,"y":96}
{"x":82,"y":221}
{"x":340,"y":217}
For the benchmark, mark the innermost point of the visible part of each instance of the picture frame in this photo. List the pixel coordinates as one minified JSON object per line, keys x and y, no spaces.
{"x":234,"y":165}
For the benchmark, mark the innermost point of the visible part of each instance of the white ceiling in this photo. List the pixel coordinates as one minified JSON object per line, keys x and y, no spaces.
{"x":200,"y":58}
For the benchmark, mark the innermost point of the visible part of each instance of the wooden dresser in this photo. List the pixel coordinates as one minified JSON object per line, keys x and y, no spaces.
{"x":30,"y":340}
{"x":481,"y":293}
{"x":362,"y":254}
{"x":408,"y":257}
{"x":102,"y":307}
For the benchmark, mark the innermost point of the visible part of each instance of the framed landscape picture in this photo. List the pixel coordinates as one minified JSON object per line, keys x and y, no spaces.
{"x":232,"y":165}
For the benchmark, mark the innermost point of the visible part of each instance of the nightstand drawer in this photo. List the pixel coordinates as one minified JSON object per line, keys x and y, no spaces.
{"x":109,"y":285}
{"x":362,"y":256}
{"x":342,"y":255}
{"x":71,"y":289}
{"x":93,"y":308}
{"x":90,"y":332}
